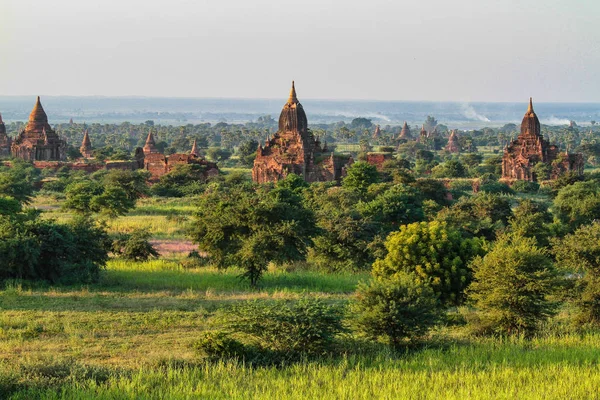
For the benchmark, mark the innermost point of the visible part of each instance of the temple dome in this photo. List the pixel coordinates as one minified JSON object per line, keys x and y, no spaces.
{"x":293,"y":117}
{"x":531,"y":123}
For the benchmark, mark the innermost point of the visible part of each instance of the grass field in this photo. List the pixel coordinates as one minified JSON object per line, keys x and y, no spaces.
{"x":132,"y":335}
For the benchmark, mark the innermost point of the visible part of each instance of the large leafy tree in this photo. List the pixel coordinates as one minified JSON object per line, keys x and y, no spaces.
{"x":435,"y":253}
{"x":512,"y":286}
{"x":344,"y":242}
{"x":250,"y":226}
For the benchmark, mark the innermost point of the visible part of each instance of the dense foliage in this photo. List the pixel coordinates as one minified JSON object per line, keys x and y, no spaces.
{"x":512,"y":286}
{"x":435,"y":253}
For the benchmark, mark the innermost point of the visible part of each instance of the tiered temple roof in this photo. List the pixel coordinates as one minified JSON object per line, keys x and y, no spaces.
{"x":530,"y":148}
{"x":294,"y":149}
{"x":38,"y":141}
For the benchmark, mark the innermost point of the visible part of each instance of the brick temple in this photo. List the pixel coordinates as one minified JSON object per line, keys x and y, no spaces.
{"x":294,"y":150}
{"x":5,"y":141}
{"x":530,"y":148}
{"x":38,"y":141}
{"x":453,"y":146}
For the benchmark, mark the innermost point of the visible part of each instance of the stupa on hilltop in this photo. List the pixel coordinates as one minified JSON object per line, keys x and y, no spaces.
{"x":530,"y":148}
{"x":38,"y":141}
{"x":294,"y":150}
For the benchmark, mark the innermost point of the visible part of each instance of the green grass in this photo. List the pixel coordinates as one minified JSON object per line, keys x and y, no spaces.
{"x":550,"y":368}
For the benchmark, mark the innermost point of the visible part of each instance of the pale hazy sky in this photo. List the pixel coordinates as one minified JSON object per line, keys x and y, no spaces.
{"x":463,"y":50}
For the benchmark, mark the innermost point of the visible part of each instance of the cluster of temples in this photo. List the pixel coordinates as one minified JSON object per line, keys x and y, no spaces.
{"x":39,"y":143}
{"x":530,"y":148}
{"x":294,"y":150}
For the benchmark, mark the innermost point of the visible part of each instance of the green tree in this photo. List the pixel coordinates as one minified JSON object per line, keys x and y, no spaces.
{"x":472,"y":159}
{"x":578,"y":254}
{"x":435,"y":253}
{"x":542,"y":171}
{"x":531,"y":219}
{"x":344,"y":241}
{"x":449,"y":169}
{"x":399,"y":205}
{"x":360,"y":176}
{"x":396,"y":310}
{"x":86,"y":197}
{"x":578,"y":203}
{"x":512,"y":286}
{"x":18,"y":181}
{"x":250,"y":227}
{"x":480,"y":215}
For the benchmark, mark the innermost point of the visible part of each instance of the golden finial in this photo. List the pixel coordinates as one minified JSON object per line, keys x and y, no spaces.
{"x":293,"y":98}
{"x":530,"y":108}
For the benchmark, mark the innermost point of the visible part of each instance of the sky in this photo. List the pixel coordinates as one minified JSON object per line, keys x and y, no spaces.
{"x":438,"y":50}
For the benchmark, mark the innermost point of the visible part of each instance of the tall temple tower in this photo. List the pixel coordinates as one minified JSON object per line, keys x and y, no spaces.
{"x":292,"y":150}
{"x":86,"y":145}
{"x":405,"y":132}
{"x":5,"y":141}
{"x":150,"y":146}
{"x":38,"y":141}
{"x":530,"y":148}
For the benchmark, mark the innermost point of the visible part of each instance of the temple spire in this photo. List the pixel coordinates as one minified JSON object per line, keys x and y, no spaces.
{"x":293,"y":98}
{"x":150,"y":146}
{"x":194,"y":151}
{"x":1,"y":122}
{"x":150,"y":138}
{"x":530,"y":108}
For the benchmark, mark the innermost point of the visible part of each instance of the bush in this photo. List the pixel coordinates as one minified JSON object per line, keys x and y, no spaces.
{"x":134,"y":246}
{"x":216,"y":345}
{"x":496,"y":188}
{"x":512,"y":286}
{"x":461,"y":185}
{"x":396,"y":310}
{"x":525,"y":187}
{"x":31,"y":248}
{"x":307,"y":327}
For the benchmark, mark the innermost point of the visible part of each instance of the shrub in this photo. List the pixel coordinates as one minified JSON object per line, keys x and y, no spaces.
{"x":496,"y":188}
{"x":512,"y":286}
{"x":134,"y":246}
{"x":461,"y":185}
{"x":31,"y":248}
{"x":525,"y":187}
{"x":396,"y":310}
{"x":307,"y":327}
